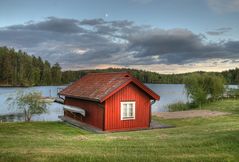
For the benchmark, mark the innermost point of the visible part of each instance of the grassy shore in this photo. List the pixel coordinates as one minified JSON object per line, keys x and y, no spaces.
{"x":198,"y":139}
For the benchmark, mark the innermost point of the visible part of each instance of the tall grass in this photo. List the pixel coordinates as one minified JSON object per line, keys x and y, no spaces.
{"x":179,"y":106}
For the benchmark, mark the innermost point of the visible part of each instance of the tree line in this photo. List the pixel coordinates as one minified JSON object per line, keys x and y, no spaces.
{"x":230,"y":76}
{"x":17,"y":68}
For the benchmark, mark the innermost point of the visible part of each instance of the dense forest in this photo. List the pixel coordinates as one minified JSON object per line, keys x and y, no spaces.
{"x":230,"y":76}
{"x":17,"y":68}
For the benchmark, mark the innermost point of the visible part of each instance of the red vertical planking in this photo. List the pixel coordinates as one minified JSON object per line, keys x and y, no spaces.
{"x":94,"y":113}
{"x":112,"y":109}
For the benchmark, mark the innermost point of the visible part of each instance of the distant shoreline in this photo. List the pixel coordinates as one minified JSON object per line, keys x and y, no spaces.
{"x":13,"y":86}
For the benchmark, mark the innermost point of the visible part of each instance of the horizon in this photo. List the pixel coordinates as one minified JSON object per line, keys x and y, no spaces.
{"x":147,"y":71}
{"x":167,"y":37}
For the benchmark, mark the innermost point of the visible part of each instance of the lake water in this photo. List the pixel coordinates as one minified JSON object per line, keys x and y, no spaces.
{"x":8,"y":113}
{"x":169,"y":93}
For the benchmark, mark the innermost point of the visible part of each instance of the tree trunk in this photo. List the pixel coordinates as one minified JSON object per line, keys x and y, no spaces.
{"x":28,"y":119}
{"x":28,"y":116}
{"x":25,"y":114}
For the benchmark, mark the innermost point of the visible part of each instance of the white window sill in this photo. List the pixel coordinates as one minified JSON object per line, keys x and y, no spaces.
{"x":128,"y":118}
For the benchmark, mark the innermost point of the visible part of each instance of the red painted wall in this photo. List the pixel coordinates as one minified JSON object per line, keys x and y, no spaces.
{"x":94,"y":113}
{"x":142,"y":109}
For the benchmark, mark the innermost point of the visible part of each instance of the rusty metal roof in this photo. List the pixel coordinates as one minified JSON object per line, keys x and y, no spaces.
{"x":100,"y":86}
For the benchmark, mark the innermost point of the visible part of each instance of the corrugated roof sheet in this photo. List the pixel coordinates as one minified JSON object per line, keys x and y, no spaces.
{"x":99,"y":86}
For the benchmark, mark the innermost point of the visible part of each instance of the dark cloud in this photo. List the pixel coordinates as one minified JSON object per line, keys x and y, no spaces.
{"x":51,"y":24}
{"x":219,"y":31}
{"x":174,"y":46}
{"x":232,"y":47}
{"x":96,"y":41}
{"x":91,"y":22}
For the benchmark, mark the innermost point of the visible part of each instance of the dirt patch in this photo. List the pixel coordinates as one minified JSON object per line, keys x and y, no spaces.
{"x":189,"y":114}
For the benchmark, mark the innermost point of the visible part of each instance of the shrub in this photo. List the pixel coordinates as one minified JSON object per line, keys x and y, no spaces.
{"x":204,"y":87}
{"x":29,"y":103}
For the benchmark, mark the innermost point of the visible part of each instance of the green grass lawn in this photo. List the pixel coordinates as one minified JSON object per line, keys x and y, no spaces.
{"x":224,"y":105}
{"x":198,"y":139}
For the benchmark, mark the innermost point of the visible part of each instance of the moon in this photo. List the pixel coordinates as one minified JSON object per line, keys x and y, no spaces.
{"x":106,"y":15}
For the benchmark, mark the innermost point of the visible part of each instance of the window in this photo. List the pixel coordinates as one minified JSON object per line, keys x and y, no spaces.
{"x":127,"y":110}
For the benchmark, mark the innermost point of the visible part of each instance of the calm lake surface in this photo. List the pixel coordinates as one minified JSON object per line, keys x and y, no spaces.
{"x":169,"y":93}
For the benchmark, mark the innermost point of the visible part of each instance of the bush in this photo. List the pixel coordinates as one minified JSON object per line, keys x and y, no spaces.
{"x":179,"y":106}
{"x":202,"y":88}
{"x":29,"y":103}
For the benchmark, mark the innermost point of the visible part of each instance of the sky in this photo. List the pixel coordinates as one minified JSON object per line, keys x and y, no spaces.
{"x":165,"y":36}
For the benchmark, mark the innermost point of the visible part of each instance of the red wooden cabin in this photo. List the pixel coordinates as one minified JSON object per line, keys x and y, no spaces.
{"x":110,"y":101}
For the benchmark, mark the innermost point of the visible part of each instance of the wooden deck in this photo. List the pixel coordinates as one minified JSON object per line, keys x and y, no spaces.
{"x":81,"y":124}
{"x":153,"y":125}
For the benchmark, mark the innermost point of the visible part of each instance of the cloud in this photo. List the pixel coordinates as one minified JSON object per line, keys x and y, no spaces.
{"x":92,"y":22}
{"x":224,"y":6}
{"x":51,"y":24}
{"x":178,"y":46}
{"x":219,"y":31}
{"x":93,"y":42}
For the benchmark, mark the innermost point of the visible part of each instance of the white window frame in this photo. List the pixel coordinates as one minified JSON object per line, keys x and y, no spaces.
{"x":122,"y":111}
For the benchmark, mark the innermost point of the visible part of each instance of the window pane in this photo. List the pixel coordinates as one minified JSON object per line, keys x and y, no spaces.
{"x":130,"y":111}
{"x":130,"y":105}
{"x":124,"y":110}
